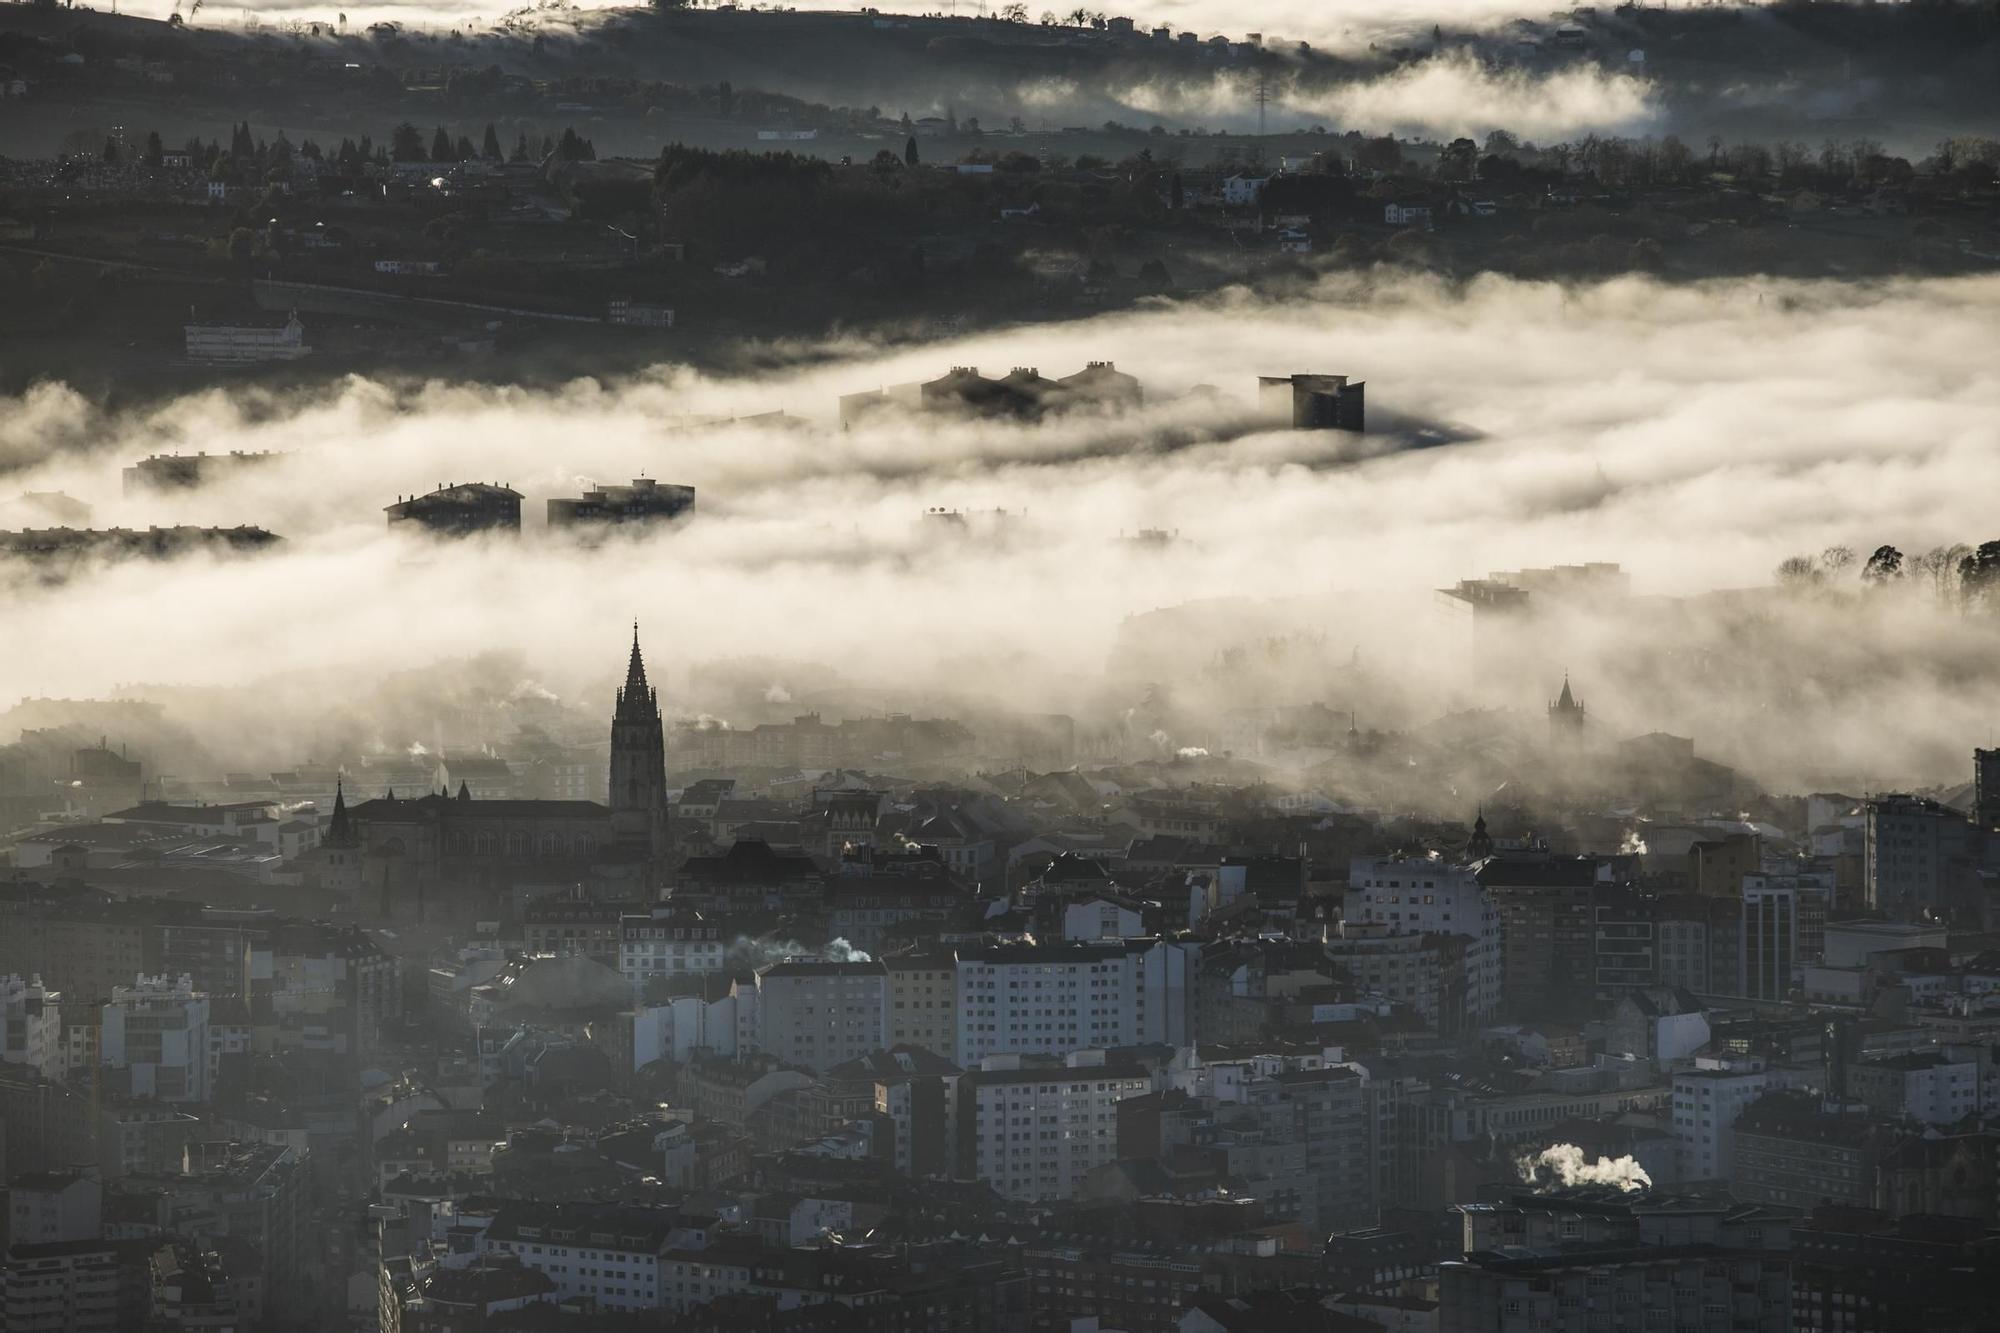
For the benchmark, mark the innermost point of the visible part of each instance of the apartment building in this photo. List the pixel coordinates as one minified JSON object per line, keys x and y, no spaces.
{"x":1033,"y":1131}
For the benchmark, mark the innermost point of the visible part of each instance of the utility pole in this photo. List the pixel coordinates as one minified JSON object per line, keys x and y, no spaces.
{"x":1263,"y":99}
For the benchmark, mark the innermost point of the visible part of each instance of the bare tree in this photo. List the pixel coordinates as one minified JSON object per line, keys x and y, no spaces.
{"x":1940,"y":566}
{"x":1798,"y":571}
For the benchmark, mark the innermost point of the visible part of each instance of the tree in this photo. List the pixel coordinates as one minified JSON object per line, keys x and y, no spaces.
{"x":242,"y":244}
{"x":465,"y":150}
{"x":406,"y":143}
{"x":725,"y":99}
{"x":1979,"y":575}
{"x":1457,"y":159}
{"x":441,"y":149}
{"x":1798,"y":571}
{"x":490,"y":149}
{"x":1676,"y":159}
{"x":154,"y":150}
{"x":521,"y":148}
{"x":1940,"y":565}
{"x":110,"y":150}
{"x":1884,"y":566}
{"x":910,"y":158}
{"x":1382,"y":154}
{"x":1835,"y":560}
{"x":1014,"y":13}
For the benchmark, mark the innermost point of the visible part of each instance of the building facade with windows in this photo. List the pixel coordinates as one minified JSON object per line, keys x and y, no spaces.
{"x":1427,"y":897}
{"x":1034,"y":1132}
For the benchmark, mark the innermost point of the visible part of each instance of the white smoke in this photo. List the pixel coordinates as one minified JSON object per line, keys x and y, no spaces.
{"x":1564,"y":1165}
{"x":777,"y":694}
{"x":1191,"y":752}
{"x":754,"y":954}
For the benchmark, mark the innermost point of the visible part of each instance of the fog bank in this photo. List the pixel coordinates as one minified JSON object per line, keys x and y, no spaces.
{"x":1696,"y":434}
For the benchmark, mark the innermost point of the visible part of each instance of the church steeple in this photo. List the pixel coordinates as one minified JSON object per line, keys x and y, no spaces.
{"x":638,"y":778}
{"x":339,"y":828}
{"x":1480,"y":845}
{"x":636,"y":699}
{"x":1566,"y":716}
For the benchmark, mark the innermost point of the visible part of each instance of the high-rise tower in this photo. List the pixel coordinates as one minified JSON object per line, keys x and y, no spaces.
{"x":639,"y":767}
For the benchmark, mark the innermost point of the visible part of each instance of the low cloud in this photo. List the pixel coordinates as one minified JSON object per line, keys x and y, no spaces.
{"x":1457,"y":94}
{"x":1697,"y":434}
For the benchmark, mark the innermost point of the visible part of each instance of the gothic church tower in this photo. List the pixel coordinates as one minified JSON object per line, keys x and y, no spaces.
{"x":639,"y":768}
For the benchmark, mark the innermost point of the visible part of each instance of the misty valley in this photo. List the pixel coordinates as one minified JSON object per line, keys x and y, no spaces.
{"x":718,"y":667}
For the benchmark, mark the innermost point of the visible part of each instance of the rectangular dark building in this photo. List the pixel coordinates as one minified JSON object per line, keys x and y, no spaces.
{"x":1314,"y":402}
{"x":644,"y":501}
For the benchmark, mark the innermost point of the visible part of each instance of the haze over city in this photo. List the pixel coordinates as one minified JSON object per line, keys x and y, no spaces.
{"x":1196,"y":670}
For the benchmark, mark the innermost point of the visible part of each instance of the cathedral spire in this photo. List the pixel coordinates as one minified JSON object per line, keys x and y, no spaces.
{"x":638,"y":776}
{"x":636,"y":695}
{"x":340,"y":827}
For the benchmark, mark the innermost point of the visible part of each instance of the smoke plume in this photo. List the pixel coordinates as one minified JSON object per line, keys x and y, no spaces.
{"x":1564,"y":1165}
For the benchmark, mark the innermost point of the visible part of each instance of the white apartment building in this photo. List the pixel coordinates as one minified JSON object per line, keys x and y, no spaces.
{"x":820,"y":1014}
{"x":683,"y":1025}
{"x":1707,"y":1100}
{"x":1031,"y":999}
{"x":158,"y":1030}
{"x":666,"y":943}
{"x":1428,"y":897}
{"x":1034,"y":1133}
{"x":31,"y":1031}
{"x":615,"y":1259}
{"x":1101,"y":919}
